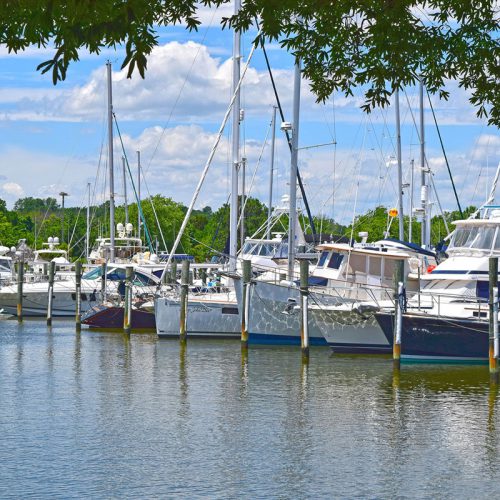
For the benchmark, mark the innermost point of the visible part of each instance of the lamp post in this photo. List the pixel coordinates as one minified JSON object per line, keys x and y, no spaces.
{"x":62,"y":194}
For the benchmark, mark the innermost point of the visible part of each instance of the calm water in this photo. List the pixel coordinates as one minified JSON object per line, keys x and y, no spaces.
{"x":97,"y":415}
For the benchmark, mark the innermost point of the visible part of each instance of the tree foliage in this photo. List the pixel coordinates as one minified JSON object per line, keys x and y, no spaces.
{"x":380,"y":45}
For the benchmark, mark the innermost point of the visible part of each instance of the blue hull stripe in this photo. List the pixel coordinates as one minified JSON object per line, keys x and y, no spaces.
{"x":266,"y":339}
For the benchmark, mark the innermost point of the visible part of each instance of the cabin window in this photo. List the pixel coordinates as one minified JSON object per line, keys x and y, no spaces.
{"x":389,"y":268}
{"x":5,"y":265}
{"x":375,"y":266}
{"x":323,"y":258}
{"x":335,"y":260}
{"x":357,"y":263}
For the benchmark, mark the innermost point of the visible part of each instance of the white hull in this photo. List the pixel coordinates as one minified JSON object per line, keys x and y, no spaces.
{"x":205,"y":318}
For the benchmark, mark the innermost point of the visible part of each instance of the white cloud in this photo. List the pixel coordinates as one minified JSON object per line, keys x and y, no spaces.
{"x":13,"y":189}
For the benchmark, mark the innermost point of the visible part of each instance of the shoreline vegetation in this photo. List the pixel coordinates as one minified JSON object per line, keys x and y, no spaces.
{"x":37,"y":219}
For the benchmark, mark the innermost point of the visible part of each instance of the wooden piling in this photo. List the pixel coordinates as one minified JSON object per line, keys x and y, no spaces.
{"x":398,"y":313}
{"x":127,"y":306}
{"x":184,"y":300}
{"x":304,"y":308}
{"x":78,"y":295}
{"x":493,"y":351}
{"x":20,"y":280}
{"x":173,"y":271}
{"x":245,"y":306}
{"x":103,"y":281}
{"x":50,"y":298}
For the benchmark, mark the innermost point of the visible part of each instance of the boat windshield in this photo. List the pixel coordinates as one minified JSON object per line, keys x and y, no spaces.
{"x":5,"y":265}
{"x":476,"y":237}
{"x":93,"y":275}
{"x":263,"y":249}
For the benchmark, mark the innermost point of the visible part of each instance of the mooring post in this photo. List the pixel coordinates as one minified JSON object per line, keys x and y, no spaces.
{"x":103,"y":282}
{"x":245,"y":310}
{"x":173,"y":272}
{"x":20,"y":279}
{"x":398,"y":313}
{"x":304,"y":308}
{"x":50,"y":298}
{"x":78,"y":295}
{"x":493,"y":350}
{"x":127,"y":306}
{"x":184,"y":300}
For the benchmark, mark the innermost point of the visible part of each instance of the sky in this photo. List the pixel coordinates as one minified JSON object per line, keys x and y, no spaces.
{"x":54,"y":138}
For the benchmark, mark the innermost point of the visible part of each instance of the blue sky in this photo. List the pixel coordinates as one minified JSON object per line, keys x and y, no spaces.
{"x":54,"y":138}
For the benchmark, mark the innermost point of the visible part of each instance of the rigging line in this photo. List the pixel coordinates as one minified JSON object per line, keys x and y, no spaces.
{"x":289,"y":139}
{"x":146,"y":230}
{"x":264,"y":144}
{"x":188,"y":74}
{"x":154,"y":212}
{"x":74,"y":226}
{"x":207,"y":164}
{"x":444,"y":154}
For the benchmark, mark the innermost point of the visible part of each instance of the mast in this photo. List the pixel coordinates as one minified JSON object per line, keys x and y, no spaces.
{"x":110,"y":166}
{"x":125,"y":190}
{"x":424,"y":190}
{"x":271,"y":172}
{"x":293,"y":171}
{"x":410,"y":228}
{"x":87,"y":236}
{"x":138,"y":194}
{"x":243,"y":187}
{"x":400,"y":169}
{"x":233,"y":209}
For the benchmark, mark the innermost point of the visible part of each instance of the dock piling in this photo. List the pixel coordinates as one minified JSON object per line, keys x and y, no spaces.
{"x":103,"y":282}
{"x":173,"y":272}
{"x":127,"y":307}
{"x":304,"y":309}
{"x":184,"y":300}
{"x":50,"y":301}
{"x":493,"y":351}
{"x":398,"y":314}
{"x":245,"y":311}
{"x":78,"y":295}
{"x":20,"y":279}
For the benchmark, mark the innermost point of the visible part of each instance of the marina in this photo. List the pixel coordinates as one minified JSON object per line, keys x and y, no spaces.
{"x":249,"y":250}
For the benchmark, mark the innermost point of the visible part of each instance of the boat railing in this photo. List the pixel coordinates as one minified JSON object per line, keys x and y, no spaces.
{"x":444,"y":304}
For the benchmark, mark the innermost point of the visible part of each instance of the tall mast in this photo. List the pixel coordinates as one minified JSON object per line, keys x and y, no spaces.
{"x":138,"y":194}
{"x":233,"y":209}
{"x":424,"y":190}
{"x":410,"y":228}
{"x":400,"y":169}
{"x":243,"y":189}
{"x":271,"y":172}
{"x":87,"y":236}
{"x":110,"y":166}
{"x":293,"y":171}
{"x":125,"y":189}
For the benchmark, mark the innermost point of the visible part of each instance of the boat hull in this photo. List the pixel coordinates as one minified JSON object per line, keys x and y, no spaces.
{"x":111,"y":317}
{"x":212,"y":318}
{"x":431,"y":339}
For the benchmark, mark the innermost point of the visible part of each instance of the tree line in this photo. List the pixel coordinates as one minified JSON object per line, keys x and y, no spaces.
{"x":206,"y":235}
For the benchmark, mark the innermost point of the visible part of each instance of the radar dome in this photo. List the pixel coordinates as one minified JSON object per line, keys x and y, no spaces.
{"x":129,"y":228}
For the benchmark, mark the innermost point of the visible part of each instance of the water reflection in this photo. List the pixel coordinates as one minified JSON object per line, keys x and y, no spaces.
{"x":103,"y":414}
